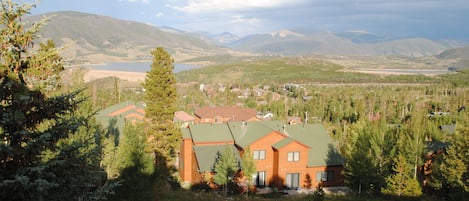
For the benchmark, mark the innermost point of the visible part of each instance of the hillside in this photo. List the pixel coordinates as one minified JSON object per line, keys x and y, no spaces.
{"x":291,"y":43}
{"x":455,"y":53}
{"x":90,"y":38}
{"x":460,"y":56}
{"x":94,"y":38}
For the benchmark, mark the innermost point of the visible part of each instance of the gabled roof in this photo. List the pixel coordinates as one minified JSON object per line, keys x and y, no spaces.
{"x":123,"y":109}
{"x":181,"y":116}
{"x":286,"y":141}
{"x":206,"y":155}
{"x":115,"y":116}
{"x":233,"y":113}
{"x":323,"y":151}
{"x":210,"y":133}
{"x":245,"y":133}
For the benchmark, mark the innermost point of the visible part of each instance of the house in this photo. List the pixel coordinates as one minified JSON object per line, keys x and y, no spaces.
{"x":224,"y":114}
{"x":183,"y":119}
{"x":286,"y":156}
{"x":114,"y":117}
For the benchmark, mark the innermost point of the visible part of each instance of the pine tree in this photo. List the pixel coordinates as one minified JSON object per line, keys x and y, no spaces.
{"x":402,"y":182}
{"x":135,"y":167}
{"x":160,"y":99}
{"x":247,"y":164}
{"x":361,"y":170}
{"x":49,"y":148}
{"x":451,"y":170}
{"x":225,"y":167}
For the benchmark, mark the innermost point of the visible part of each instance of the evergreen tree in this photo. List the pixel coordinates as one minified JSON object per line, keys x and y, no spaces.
{"x":361,"y":171}
{"x":225,"y":167}
{"x":45,"y":67}
{"x":247,"y":164}
{"x":49,"y":148}
{"x":135,"y":167}
{"x":160,"y":99}
{"x":402,"y":182}
{"x":451,"y":170}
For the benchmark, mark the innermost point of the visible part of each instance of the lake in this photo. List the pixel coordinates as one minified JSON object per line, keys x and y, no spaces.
{"x":140,"y":67}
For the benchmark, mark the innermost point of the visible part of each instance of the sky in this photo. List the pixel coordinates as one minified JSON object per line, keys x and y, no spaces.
{"x":436,"y":19}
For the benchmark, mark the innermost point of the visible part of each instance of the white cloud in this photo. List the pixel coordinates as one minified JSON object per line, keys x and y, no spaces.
{"x":202,"y":6}
{"x":159,"y":14}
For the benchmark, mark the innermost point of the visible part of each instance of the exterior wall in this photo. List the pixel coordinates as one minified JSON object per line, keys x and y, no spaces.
{"x":337,"y":178}
{"x":268,"y":164}
{"x":186,"y":157}
{"x":286,"y":167}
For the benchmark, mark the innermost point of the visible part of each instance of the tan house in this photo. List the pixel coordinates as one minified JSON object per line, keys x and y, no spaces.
{"x":224,"y":114}
{"x":286,"y":156}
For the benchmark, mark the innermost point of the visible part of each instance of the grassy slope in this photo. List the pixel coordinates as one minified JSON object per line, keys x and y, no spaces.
{"x":283,"y":70}
{"x":88,"y":34}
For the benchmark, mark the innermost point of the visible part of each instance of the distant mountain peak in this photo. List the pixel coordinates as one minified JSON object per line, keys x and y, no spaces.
{"x":285,"y":33}
{"x":360,"y":32}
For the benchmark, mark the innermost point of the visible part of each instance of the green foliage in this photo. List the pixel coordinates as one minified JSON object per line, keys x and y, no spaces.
{"x":247,"y":163}
{"x":451,"y":169}
{"x":401,"y":182}
{"x":160,"y":99}
{"x":225,"y":167}
{"x":45,"y":67}
{"x":50,"y":146}
{"x":318,"y":194}
{"x":366,"y":155}
{"x":136,"y":170}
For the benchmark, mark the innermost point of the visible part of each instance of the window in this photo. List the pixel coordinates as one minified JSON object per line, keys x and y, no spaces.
{"x":293,"y":156}
{"x":325,"y":176}
{"x":259,"y":154}
{"x":259,"y":180}
{"x":293,"y":180}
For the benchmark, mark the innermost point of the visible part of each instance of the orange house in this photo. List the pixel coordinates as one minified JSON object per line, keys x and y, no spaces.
{"x":286,"y":156}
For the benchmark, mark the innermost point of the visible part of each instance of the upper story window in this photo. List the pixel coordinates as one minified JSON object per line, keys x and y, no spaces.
{"x":259,"y":154}
{"x":293,"y":156}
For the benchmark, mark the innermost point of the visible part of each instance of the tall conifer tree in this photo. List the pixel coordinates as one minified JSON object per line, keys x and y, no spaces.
{"x":160,"y":99}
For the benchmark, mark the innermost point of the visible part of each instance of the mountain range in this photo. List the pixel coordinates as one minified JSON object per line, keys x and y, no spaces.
{"x":94,"y":38}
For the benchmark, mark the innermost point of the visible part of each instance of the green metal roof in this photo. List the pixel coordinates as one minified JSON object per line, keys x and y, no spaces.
{"x":323,"y":151}
{"x":209,"y":133}
{"x":206,"y":155}
{"x":249,"y":132}
{"x":113,"y":108}
{"x":282,"y":143}
{"x":186,"y":133}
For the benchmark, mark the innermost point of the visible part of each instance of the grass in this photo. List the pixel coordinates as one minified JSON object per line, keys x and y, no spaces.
{"x":211,"y":196}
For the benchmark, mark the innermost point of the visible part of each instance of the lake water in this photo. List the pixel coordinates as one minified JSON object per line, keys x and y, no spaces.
{"x":140,"y":67}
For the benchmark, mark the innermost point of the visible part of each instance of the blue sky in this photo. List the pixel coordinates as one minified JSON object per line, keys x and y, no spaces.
{"x":440,"y":19}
